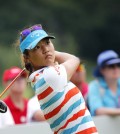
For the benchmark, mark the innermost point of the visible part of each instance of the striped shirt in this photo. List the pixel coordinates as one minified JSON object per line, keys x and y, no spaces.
{"x":61,"y":102}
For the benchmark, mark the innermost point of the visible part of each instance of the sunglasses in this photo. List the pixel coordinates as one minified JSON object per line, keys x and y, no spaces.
{"x":27,"y":31}
{"x":112,"y":66}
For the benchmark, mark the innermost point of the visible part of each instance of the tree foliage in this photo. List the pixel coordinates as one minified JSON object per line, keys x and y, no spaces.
{"x":83,"y":27}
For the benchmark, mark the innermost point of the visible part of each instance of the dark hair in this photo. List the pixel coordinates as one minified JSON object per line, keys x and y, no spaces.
{"x":27,"y":64}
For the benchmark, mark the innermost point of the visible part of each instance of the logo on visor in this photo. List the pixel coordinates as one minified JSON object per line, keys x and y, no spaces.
{"x":41,"y":33}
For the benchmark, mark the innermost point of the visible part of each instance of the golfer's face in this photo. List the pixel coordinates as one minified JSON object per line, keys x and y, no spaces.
{"x":43,"y":54}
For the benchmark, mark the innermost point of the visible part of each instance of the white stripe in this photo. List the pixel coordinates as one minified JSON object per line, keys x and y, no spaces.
{"x":58,"y":102}
{"x":66,"y":106}
{"x":77,"y":109}
{"x":75,"y":122}
{"x":47,"y":98}
{"x":41,"y":89}
{"x":85,"y":126}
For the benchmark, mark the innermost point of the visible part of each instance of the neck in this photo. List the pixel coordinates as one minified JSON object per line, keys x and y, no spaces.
{"x":112,"y":84}
{"x":17,"y":98}
{"x":40,"y":67}
{"x":37,"y":68}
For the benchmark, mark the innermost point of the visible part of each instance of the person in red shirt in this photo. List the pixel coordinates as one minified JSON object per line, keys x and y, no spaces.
{"x":20,"y":107}
{"x":15,"y":100}
{"x":79,"y":79}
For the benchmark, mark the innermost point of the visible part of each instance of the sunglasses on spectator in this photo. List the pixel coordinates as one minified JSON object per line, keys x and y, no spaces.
{"x":27,"y":31}
{"x":112,"y":66}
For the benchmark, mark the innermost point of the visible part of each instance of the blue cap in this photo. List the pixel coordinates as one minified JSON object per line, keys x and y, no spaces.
{"x":107,"y":57}
{"x":33,"y":38}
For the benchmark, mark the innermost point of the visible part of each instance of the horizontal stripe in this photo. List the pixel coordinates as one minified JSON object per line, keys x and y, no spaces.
{"x":39,"y":83}
{"x":52,"y":100}
{"x":88,"y":131}
{"x":55,"y":104}
{"x":68,"y":96}
{"x":58,"y":102}
{"x":45,"y":93}
{"x":77,"y":121}
{"x":73,"y":129}
{"x":85,"y":126}
{"x":41,"y":89}
{"x":65,"y":114}
{"x":64,"y":109}
{"x":74,"y":117}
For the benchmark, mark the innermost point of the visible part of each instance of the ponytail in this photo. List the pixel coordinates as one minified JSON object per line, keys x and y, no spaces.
{"x":27,"y":64}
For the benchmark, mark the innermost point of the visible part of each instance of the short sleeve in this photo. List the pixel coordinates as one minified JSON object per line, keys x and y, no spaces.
{"x":56,"y":77}
{"x":94,"y":97}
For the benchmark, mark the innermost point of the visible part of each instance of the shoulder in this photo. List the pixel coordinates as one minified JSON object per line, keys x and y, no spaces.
{"x":26,"y":101}
{"x":8,"y":101}
{"x":94,"y":87}
{"x":55,"y":76}
{"x":35,"y":75}
{"x":94,"y":83}
{"x":33,"y":101}
{"x":52,"y":72}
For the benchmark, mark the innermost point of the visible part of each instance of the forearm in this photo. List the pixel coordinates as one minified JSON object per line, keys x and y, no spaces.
{"x":61,"y":57}
{"x":70,"y":62}
{"x":108,"y":111}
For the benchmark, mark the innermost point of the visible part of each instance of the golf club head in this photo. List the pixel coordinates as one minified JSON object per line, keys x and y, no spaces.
{"x":3,"y":107}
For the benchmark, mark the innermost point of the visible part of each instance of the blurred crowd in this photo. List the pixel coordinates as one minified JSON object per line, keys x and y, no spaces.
{"x":102,"y":95}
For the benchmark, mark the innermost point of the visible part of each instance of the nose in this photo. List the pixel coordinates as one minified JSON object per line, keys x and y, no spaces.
{"x":44,"y":48}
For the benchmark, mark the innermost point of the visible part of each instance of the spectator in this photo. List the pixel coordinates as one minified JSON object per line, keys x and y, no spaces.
{"x":104,"y":92}
{"x":34,"y":112}
{"x":18,"y":105}
{"x":79,"y":78}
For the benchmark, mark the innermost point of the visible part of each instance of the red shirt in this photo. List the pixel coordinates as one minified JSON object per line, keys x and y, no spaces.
{"x":19,"y":115}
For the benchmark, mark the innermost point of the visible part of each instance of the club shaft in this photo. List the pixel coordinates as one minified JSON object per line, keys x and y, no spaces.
{"x":12,"y":83}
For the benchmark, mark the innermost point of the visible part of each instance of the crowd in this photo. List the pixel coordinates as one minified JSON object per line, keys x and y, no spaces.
{"x":102,"y":95}
{"x":20,"y":110}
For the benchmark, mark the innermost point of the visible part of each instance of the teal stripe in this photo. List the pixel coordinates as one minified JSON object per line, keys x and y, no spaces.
{"x":52,"y":100}
{"x":39,"y":83}
{"x":65,"y":114}
{"x":73,"y":129}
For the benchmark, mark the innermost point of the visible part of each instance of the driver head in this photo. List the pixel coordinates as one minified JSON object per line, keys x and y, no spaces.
{"x":3,"y":107}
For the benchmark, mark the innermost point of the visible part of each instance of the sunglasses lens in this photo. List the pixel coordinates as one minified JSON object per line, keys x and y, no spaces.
{"x":118,"y":64}
{"x":114,"y":65}
{"x":25,"y":32}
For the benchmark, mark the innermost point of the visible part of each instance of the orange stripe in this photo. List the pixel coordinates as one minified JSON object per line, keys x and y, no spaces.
{"x":70,"y":94}
{"x":74,"y":117}
{"x":35,"y":77}
{"x":88,"y":131}
{"x":45,"y":93}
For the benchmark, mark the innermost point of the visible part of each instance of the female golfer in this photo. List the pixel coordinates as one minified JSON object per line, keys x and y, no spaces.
{"x":61,"y":101}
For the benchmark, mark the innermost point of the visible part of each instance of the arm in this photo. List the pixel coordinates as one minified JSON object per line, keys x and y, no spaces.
{"x":108,"y":111}
{"x":95,"y":102}
{"x":38,"y":116}
{"x":70,"y":62}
